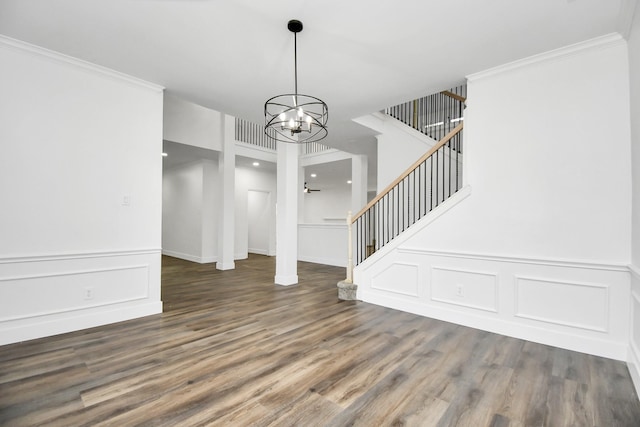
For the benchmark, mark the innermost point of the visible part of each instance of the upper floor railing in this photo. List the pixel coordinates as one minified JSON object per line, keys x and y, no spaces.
{"x":434,"y":115}
{"x":253,"y":134}
{"x":314,"y":147}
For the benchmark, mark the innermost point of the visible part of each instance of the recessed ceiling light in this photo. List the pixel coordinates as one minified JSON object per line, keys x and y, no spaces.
{"x":164,"y":154}
{"x":256,"y":164}
{"x":313,"y":175}
{"x":349,"y":182}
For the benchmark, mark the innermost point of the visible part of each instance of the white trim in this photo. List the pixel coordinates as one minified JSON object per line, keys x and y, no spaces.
{"x":517,"y":312}
{"x":415,"y":266}
{"x":79,"y":63}
{"x":633,"y":364}
{"x":284,"y":280}
{"x":189,"y":257}
{"x":322,"y":260}
{"x":225,"y":266}
{"x":77,"y":255}
{"x":556,"y":337}
{"x":623,"y":268}
{"x":633,"y":358}
{"x":257,"y":251}
{"x":462,"y":304}
{"x":82,"y":320}
{"x":595,"y":43}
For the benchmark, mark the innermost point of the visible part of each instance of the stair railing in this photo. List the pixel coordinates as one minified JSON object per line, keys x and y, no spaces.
{"x":434,"y":115}
{"x":424,"y":185}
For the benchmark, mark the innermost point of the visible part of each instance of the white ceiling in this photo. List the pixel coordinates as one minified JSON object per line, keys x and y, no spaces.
{"x":358,"y":55}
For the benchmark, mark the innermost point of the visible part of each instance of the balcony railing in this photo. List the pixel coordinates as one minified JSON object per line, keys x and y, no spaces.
{"x":434,"y":115}
{"x":252,"y":133}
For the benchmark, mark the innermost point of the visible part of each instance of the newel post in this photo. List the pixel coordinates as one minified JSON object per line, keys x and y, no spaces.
{"x":346,"y":288}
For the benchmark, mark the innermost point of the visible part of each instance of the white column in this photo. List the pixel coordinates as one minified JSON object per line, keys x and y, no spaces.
{"x":209,"y":220}
{"x":288,"y":190}
{"x":359,"y":174}
{"x":227,"y":180}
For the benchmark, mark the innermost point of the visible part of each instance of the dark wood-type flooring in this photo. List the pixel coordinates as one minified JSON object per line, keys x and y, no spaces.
{"x":234,"y":349}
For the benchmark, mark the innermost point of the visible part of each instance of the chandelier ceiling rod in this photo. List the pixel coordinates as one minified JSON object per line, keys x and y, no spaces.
{"x":295,"y":58}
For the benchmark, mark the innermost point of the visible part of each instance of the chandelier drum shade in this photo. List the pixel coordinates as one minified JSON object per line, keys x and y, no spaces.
{"x":295,"y":117}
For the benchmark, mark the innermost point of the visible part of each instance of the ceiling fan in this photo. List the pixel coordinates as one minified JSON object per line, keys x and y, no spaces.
{"x":307,"y":189}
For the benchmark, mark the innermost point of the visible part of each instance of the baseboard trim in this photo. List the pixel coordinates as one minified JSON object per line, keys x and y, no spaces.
{"x":609,"y":349}
{"x":324,"y":261}
{"x":286,"y":280}
{"x":633,"y":360}
{"x":189,"y":257}
{"x":45,"y":326}
{"x":633,"y":364}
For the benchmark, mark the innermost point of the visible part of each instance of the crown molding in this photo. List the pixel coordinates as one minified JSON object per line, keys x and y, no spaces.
{"x":563,"y":52}
{"x":10,"y":43}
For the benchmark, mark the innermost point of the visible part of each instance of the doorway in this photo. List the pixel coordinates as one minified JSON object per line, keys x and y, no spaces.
{"x":259,"y":221}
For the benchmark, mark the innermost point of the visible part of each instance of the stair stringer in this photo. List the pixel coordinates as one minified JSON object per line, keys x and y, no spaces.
{"x":385,"y":254}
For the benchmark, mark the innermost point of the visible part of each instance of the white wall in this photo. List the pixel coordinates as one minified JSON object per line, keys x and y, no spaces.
{"x":191,"y":124}
{"x":634,"y":72}
{"x":323,"y":243}
{"x":540,"y":247}
{"x":189,"y":217}
{"x":399,"y":146}
{"x":80,"y":180}
{"x":329,"y":206}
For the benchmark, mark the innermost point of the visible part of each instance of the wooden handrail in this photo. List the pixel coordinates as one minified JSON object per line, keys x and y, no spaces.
{"x":409,"y":170}
{"x":454,"y":96}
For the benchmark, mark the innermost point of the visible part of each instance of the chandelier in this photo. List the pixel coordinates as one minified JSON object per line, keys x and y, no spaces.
{"x":295,"y":117}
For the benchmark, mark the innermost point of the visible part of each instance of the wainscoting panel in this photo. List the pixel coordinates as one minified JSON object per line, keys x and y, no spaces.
{"x":398,"y":278}
{"x":52,"y":294}
{"x":634,"y":343}
{"x":577,"y":305}
{"x":323,"y":243}
{"x":81,"y":289}
{"x":574,"y":305}
{"x":465,"y":288}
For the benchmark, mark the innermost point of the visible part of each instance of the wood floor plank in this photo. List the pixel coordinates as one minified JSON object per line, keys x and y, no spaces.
{"x":232,"y":348}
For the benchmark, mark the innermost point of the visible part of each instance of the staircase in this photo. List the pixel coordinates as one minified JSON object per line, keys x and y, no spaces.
{"x":427,"y":183}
